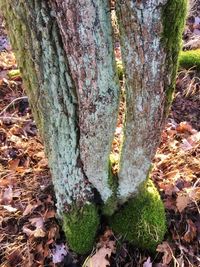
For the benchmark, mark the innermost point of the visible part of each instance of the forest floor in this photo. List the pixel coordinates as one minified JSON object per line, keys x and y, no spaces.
{"x":30,"y":234}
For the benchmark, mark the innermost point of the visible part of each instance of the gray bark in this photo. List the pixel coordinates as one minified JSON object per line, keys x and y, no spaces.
{"x":87,"y":36}
{"x":72,"y":89}
{"x":149,"y":72}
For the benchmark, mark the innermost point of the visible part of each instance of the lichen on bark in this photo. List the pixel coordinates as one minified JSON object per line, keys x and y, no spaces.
{"x":87,"y":37}
{"x":150,"y":42}
{"x":38,"y":47}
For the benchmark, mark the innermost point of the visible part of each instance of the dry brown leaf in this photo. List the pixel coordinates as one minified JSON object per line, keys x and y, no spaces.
{"x":7,"y":195}
{"x":166,"y":249}
{"x":191,"y":231}
{"x":29,"y":209}
{"x":100,"y":258}
{"x":185,"y":127}
{"x":39,"y":232}
{"x":14,"y":258}
{"x":170,"y":204}
{"x":53,"y":233}
{"x":194,"y":194}
{"x":49,"y":214}
{"x":13,"y":164}
{"x":182,"y":202}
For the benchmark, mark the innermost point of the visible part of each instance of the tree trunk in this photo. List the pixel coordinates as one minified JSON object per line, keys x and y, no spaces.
{"x":65,"y":52}
{"x":151,"y":33}
{"x":73,"y":93}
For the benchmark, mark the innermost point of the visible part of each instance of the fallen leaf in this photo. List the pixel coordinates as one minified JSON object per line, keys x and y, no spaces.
{"x":9,"y":208}
{"x":170,"y":204}
{"x":147,"y":263}
{"x":29,"y":209}
{"x":185,"y":127}
{"x":13,"y":164}
{"x":7,"y":195}
{"x":194,"y":194}
{"x":39,"y":232}
{"x":166,"y":249}
{"x":27,"y":231}
{"x":100,"y":258}
{"x":191,"y":231}
{"x":38,"y":222}
{"x":59,"y":252}
{"x":186,"y":145}
{"x":182,"y":202}
{"x":14,"y":258}
{"x":49,"y":214}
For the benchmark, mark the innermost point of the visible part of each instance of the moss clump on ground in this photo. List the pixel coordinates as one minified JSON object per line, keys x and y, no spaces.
{"x":190,"y":59}
{"x":80,"y":227}
{"x":173,"y":20}
{"x":142,"y":220}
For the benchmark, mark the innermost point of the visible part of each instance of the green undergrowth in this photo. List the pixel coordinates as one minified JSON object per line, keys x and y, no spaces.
{"x":80,"y":227}
{"x":142,"y":220}
{"x":190,"y":59}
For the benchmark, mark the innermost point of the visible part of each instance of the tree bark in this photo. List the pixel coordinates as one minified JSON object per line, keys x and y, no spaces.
{"x":87,"y":37}
{"x":73,"y":89}
{"x":150,"y":33}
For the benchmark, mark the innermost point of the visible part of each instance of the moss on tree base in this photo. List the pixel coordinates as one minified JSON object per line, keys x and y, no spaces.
{"x":80,"y":227}
{"x":142,"y":220}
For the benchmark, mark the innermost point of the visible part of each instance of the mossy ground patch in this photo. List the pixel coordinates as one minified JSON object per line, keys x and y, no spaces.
{"x":190,"y":59}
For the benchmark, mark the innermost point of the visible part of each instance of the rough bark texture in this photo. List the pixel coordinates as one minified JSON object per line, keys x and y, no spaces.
{"x":150,"y":61}
{"x":72,"y":94}
{"x":87,"y":37}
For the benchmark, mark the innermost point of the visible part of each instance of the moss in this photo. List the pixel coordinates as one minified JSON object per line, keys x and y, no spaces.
{"x":14,"y":73}
{"x":120,"y":69}
{"x":190,"y":59}
{"x":80,"y":227}
{"x":111,"y":204}
{"x":173,"y":20}
{"x":142,"y":220}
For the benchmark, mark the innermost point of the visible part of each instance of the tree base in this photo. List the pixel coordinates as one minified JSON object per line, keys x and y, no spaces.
{"x":142,"y":220}
{"x":80,"y":227}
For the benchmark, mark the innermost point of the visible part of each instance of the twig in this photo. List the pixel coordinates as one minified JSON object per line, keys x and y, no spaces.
{"x":12,"y":102}
{"x":14,"y":118}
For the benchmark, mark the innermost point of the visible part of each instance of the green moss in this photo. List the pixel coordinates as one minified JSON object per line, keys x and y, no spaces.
{"x":120,"y":69}
{"x":111,"y":204}
{"x":190,"y":59}
{"x":80,"y":227}
{"x":142,"y":220}
{"x":173,"y":20}
{"x":14,"y":73}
